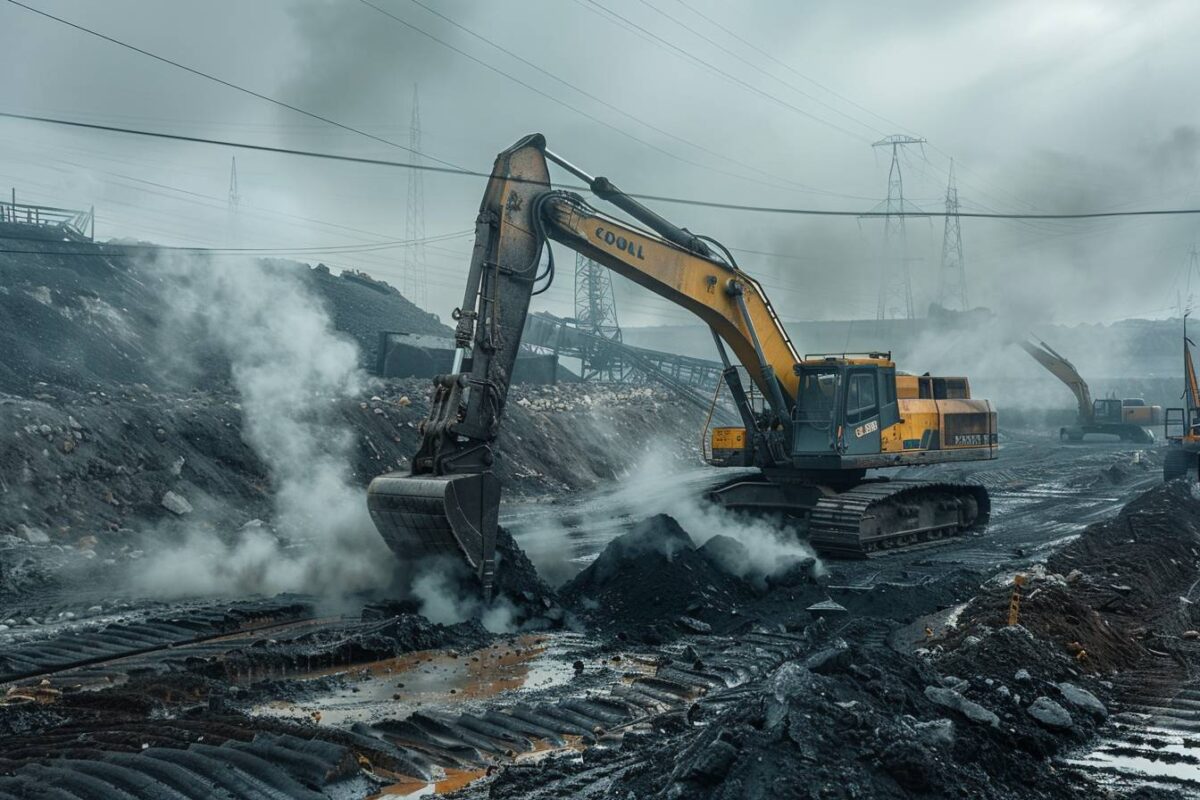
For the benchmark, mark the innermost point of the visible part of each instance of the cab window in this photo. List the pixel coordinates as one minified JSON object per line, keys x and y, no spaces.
{"x":861,"y":400}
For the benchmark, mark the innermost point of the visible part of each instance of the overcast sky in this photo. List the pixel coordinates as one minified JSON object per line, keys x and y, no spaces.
{"x":1062,"y":106}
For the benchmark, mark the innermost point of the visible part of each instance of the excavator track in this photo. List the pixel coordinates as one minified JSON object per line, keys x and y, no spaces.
{"x":877,"y":518}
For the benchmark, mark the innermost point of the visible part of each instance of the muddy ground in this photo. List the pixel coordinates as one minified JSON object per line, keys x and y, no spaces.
{"x":645,"y":652}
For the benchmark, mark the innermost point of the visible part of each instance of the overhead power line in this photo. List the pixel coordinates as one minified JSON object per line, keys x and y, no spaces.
{"x":637,"y":119}
{"x":332,"y":249}
{"x":224,"y":82}
{"x":381,"y":162}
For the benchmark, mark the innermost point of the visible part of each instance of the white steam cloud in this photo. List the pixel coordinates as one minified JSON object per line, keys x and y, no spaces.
{"x":290,"y":368}
{"x":652,"y":487}
{"x":656,"y":484}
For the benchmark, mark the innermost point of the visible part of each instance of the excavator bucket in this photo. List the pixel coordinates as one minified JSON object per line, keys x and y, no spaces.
{"x":454,"y":515}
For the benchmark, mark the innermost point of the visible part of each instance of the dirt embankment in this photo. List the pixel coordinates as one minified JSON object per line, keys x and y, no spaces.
{"x":114,"y":422}
{"x":1123,"y":591}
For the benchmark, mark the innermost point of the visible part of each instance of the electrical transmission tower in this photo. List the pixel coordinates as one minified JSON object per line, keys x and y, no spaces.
{"x":596,"y":313}
{"x":231,"y":211}
{"x":1193,"y":278}
{"x":414,"y":279}
{"x":234,"y":197}
{"x":895,"y":284}
{"x":952,"y":286}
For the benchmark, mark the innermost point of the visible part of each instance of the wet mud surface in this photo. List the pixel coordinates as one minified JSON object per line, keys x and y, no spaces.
{"x":667,"y":673}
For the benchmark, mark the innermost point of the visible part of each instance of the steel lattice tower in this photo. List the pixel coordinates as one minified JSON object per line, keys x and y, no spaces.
{"x":952,"y":285}
{"x":231,"y":210}
{"x":234,"y":197}
{"x":596,"y":313}
{"x":895,"y":284}
{"x":414,"y":279}
{"x":1193,"y":274}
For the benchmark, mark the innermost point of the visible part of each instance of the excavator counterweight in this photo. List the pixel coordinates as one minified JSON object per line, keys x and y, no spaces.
{"x":825,"y":420}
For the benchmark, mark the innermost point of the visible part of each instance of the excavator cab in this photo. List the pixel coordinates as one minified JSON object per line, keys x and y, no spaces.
{"x":1108,"y":410}
{"x":843,"y":404}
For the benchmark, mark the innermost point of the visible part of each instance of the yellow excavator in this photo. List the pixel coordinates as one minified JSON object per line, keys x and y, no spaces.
{"x":1131,"y":418}
{"x":1182,"y":427}
{"x":822,"y":423}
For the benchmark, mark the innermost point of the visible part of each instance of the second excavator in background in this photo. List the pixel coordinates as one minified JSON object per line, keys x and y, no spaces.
{"x":819,"y":423}
{"x":1131,"y":419}
{"x":1182,"y":426}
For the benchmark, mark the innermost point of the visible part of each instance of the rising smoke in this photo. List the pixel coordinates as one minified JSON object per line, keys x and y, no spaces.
{"x":290,"y":369}
{"x":658,"y":484}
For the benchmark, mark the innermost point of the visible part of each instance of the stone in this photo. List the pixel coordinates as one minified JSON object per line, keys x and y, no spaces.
{"x":834,"y":658}
{"x":936,"y":733}
{"x":177,"y":504}
{"x":712,"y":763}
{"x":1022,"y":676}
{"x":33,"y":535}
{"x":1083,"y":700}
{"x":1050,"y":714}
{"x":948,"y":698}
{"x":694,"y":625}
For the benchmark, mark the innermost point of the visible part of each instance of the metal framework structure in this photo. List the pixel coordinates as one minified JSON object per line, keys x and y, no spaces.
{"x":1193,"y":274}
{"x":691,"y":379}
{"x":952,"y":284}
{"x":234,"y":196}
{"x":596,"y":314}
{"x":895,"y":283}
{"x":414,"y":281}
{"x":68,"y":223}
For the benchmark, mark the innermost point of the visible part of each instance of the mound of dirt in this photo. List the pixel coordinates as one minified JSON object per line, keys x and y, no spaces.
{"x":1100,"y":602}
{"x":868,"y":723}
{"x":654,"y":576}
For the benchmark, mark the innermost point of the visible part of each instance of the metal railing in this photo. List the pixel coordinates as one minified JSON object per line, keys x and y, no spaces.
{"x":72,"y":223}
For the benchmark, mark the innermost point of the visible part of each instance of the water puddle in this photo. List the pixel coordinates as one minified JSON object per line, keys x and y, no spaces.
{"x":1173,"y":755}
{"x":435,"y":679}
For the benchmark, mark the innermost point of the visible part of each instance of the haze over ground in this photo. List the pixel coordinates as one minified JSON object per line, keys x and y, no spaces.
{"x":1063,"y":107}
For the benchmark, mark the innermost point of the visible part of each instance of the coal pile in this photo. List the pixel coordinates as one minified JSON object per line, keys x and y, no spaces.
{"x":655,"y":581}
{"x":1100,"y":604}
{"x":841,"y":721}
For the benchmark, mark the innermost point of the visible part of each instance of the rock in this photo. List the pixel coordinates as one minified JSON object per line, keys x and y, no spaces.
{"x":789,"y":681}
{"x":177,"y":466}
{"x":1083,"y":700}
{"x":693,"y":625}
{"x":1050,"y":714}
{"x":712,"y":763}
{"x":834,"y":658}
{"x":176,"y":504}
{"x":73,"y":423}
{"x":936,"y":733}
{"x":67,"y":445}
{"x":1191,"y":634}
{"x":160,"y":434}
{"x":33,"y":535}
{"x":1022,"y":676}
{"x":951,"y":699}
{"x":827,"y":608}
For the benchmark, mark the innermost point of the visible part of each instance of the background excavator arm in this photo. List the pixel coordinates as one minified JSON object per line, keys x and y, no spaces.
{"x":1065,"y":371}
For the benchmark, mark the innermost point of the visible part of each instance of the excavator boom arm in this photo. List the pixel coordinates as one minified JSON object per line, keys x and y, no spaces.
{"x":447,"y":504}
{"x":1065,"y":371}
{"x":708,"y":288}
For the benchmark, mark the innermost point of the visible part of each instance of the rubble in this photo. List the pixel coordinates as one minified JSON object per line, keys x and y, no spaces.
{"x":175,"y":503}
{"x":651,"y":574}
{"x":1050,"y":714}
